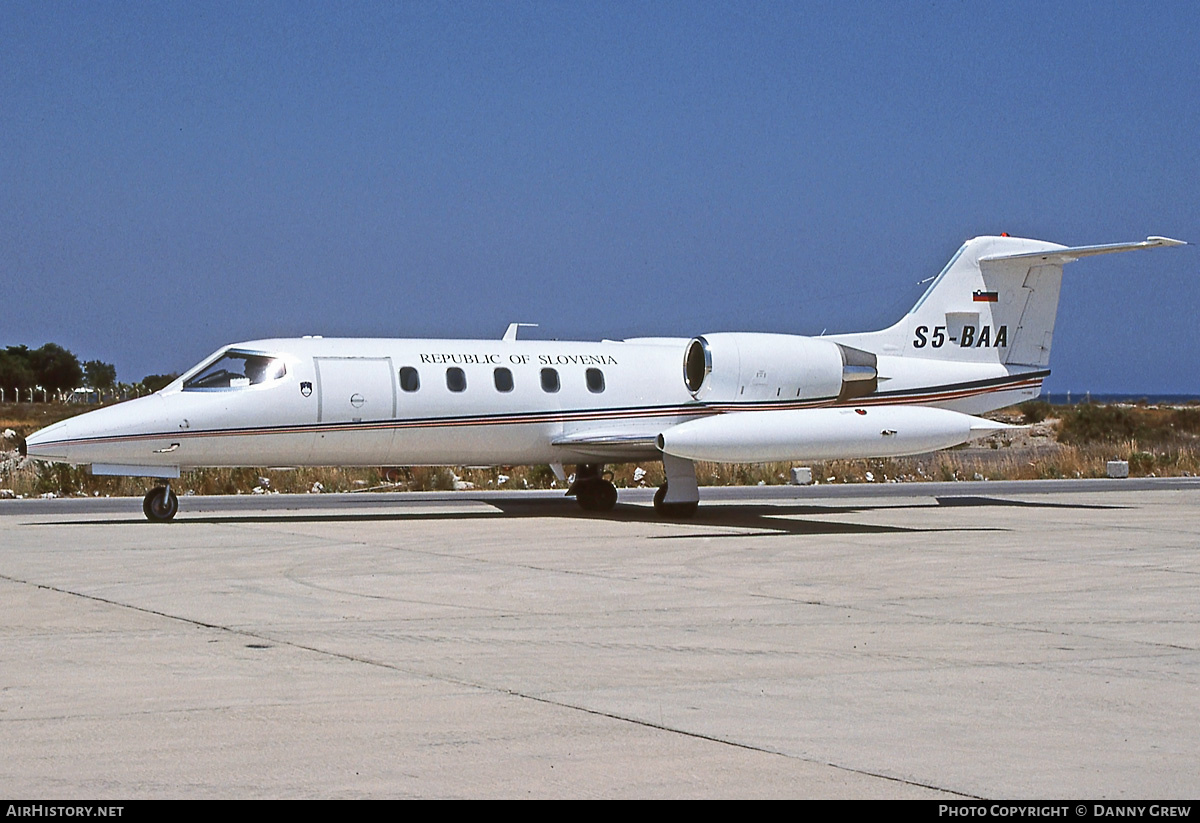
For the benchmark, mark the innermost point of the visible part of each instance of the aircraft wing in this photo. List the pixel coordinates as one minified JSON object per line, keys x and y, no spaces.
{"x":611,"y":445}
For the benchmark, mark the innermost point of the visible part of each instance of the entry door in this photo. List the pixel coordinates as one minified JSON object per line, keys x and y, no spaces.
{"x":355,"y":389}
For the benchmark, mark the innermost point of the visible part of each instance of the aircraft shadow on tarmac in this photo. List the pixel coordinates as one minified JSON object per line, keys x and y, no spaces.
{"x":749,"y":520}
{"x":995,"y":501}
{"x":780,"y":519}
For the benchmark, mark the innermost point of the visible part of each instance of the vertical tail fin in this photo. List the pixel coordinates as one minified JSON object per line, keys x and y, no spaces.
{"x":991,"y":303}
{"x":995,"y":301}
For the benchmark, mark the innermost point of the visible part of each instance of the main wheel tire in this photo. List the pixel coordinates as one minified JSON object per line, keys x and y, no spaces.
{"x":675,"y":511}
{"x":606,"y":496}
{"x":585,"y":497}
{"x":160,"y":504}
{"x":596,"y":496}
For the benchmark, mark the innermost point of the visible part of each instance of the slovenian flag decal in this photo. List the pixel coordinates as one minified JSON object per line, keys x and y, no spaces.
{"x":985,"y":297}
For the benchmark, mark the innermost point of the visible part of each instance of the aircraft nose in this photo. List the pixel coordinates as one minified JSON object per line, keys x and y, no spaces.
{"x":99,"y":436}
{"x":49,"y":443}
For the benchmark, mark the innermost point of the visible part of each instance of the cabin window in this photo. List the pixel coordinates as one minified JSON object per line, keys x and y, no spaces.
{"x":550,"y":380}
{"x":504,"y":380}
{"x":456,"y":379}
{"x":595,"y":381}
{"x":236,"y":370}
{"x":409,"y":379}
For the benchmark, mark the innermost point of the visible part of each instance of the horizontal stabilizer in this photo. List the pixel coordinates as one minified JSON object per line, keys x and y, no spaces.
{"x":1068,"y":254}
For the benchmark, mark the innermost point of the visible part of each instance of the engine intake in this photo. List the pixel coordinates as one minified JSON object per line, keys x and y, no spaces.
{"x":697,"y":364}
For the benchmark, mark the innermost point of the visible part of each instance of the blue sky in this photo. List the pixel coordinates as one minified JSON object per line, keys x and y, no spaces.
{"x":176,"y":176}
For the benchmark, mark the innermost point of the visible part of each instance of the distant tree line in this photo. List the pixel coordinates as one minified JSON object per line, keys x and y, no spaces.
{"x":56,"y":371}
{"x":50,"y":367}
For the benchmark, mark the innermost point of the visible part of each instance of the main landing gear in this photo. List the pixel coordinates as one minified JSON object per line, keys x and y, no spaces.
{"x":593,"y":491}
{"x":679,"y":497}
{"x":160,"y":504}
{"x":674,"y":511}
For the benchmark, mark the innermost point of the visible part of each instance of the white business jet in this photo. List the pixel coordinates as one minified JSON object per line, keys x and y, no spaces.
{"x":977,"y":340}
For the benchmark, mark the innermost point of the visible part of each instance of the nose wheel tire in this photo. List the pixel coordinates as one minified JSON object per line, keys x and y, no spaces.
{"x":160,"y":504}
{"x":675,"y":511}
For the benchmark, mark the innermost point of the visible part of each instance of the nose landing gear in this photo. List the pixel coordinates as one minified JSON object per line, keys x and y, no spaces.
{"x":160,"y":504}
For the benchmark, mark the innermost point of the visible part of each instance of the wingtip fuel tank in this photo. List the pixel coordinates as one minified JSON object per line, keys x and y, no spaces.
{"x":823,"y":434}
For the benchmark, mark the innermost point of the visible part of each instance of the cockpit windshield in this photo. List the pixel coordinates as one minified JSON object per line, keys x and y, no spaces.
{"x":235,"y":370}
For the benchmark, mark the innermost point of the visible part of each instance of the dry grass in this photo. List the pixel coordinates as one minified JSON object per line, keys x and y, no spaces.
{"x":26,"y":418}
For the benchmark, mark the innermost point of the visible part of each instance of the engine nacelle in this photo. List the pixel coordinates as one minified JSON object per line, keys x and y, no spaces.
{"x":733,"y":367}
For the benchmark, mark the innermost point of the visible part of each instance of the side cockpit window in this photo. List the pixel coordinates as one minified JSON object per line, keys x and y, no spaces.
{"x":236,"y":370}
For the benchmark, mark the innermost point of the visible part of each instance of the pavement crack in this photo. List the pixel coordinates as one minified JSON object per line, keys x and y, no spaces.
{"x":353,"y":658}
{"x":737,"y":745}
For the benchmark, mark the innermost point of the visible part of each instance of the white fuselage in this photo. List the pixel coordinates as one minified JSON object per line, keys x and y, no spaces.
{"x":348,"y":402}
